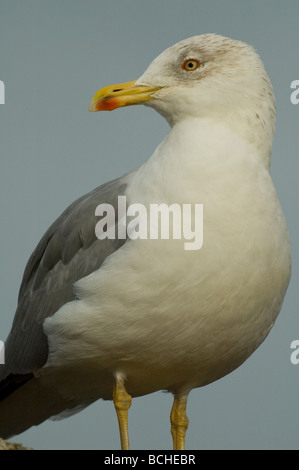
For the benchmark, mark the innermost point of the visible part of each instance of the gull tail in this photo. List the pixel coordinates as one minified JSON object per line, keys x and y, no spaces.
{"x":25,"y":402}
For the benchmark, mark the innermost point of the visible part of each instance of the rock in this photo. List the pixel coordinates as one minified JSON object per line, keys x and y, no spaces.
{"x":5,"y":445}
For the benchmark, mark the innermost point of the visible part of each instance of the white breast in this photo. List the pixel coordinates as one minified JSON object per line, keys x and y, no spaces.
{"x":175,"y":319}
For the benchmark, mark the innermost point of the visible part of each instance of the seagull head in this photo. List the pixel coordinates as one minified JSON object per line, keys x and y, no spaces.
{"x":207,"y":76}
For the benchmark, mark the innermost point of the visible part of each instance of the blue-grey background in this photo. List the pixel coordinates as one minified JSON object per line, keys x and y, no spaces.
{"x":54,"y":54}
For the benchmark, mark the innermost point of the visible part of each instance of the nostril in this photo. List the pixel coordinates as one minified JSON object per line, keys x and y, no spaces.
{"x":117,"y":89}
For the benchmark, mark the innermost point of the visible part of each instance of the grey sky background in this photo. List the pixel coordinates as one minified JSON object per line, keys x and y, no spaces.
{"x":54,"y":55}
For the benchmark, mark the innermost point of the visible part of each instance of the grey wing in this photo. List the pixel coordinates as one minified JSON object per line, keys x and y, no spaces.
{"x":68,"y":251}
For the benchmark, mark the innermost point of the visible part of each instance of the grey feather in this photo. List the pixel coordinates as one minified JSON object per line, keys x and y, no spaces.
{"x":67,"y":252}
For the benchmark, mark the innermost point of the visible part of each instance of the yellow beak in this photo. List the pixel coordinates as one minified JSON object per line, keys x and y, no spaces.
{"x":124,"y":94}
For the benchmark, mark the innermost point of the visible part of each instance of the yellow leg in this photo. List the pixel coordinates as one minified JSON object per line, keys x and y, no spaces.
{"x":122,"y":402}
{"x":179,"y":422}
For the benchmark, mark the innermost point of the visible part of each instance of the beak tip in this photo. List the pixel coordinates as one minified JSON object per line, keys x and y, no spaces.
{"x":92,"y":107}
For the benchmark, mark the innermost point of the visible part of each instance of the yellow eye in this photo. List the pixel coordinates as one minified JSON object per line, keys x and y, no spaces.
{"x":190,"y":64}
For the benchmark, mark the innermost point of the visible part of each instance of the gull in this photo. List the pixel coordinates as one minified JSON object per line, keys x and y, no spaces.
{"x":125,"y":317}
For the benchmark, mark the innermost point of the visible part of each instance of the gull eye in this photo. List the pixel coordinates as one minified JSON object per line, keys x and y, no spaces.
{"x":190,"y":64}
